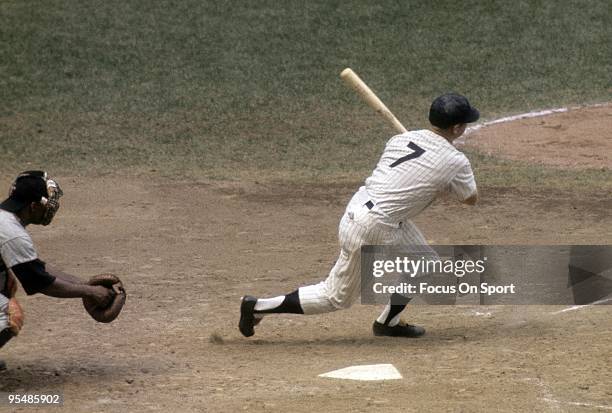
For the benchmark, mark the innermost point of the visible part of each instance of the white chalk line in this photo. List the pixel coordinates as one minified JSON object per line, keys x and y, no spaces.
{"x":581,"y":404}
{"x":546,"y":392}
{"x":555,"y":403}
{"x":527,"y":115}
{"x":489,"y":314}
{"x":580,"y":307}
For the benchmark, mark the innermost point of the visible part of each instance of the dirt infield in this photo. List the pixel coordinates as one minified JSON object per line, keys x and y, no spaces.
{"x":578,"y":138}
{"x":187,"y":251}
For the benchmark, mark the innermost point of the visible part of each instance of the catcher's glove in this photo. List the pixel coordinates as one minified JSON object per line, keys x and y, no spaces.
{"x":112,"y":310}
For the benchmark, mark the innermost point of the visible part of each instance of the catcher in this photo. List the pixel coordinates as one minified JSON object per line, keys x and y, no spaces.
{"x":34,"y":199}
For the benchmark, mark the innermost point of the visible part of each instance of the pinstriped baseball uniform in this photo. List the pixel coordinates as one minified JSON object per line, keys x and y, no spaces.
{"x":413,"y":169}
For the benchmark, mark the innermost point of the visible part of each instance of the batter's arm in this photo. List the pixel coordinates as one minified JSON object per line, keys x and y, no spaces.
{"x":463,"y":184}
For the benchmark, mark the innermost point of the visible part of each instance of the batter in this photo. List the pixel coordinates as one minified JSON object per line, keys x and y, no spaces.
{"x":414,"y":169}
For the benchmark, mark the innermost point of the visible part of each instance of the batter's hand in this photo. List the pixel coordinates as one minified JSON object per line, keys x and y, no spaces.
{"x":15,"y":314}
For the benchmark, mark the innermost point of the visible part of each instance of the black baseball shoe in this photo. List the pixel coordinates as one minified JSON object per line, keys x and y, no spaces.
{"x":247,"y":316}
{"x":2,"y":365}
{"x":400,"y":330}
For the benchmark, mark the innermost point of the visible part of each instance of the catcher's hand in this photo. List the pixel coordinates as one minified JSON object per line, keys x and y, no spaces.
{"x":15,"y":315}
{"x":109,"y":312}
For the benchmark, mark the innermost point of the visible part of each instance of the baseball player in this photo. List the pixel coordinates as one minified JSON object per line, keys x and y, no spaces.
{"x":414,"y":169}
{"x":33,"y":199}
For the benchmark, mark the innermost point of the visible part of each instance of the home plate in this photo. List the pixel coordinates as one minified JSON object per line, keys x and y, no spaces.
{"x":367,"y":372}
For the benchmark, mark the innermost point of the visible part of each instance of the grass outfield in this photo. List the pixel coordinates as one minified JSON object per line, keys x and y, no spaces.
{"x":225,"y":90}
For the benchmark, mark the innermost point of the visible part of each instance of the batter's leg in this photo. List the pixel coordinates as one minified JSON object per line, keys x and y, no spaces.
{"x":338,"y":291}
{"x":391,"y":314}
{"x":324,"y":297}
{"x":388,"y":323}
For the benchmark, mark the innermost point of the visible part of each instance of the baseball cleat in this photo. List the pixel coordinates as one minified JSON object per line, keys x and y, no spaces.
{"x":247,"y":316}
{"x":400,"y":330}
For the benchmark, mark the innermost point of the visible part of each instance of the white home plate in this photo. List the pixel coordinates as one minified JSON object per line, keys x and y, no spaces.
{"x":367,"y":372}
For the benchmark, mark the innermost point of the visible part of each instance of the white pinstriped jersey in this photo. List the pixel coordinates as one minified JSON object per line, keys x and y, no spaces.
{"x":413,"y":169}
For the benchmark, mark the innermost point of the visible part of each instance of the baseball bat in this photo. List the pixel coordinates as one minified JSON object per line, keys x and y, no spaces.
{"x":371,"y":99}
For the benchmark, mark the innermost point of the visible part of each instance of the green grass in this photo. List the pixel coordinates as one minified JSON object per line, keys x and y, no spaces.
{"x":227,"y":90}
{"x":501,"y":173}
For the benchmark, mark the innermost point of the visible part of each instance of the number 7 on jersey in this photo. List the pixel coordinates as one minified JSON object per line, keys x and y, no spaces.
{"x":418,"y":151}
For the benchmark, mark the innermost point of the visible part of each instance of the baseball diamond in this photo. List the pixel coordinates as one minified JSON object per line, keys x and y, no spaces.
{"x":193,"y":200}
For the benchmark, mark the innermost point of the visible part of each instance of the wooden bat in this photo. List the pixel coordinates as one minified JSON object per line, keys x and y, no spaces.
{"x":370,"y":97}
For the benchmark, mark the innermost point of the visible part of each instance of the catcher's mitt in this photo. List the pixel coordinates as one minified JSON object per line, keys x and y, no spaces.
{"x":112,"y":310}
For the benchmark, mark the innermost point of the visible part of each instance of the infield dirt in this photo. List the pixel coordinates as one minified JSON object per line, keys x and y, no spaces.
{"x":187,"y":251}
{"x":574,"y":139}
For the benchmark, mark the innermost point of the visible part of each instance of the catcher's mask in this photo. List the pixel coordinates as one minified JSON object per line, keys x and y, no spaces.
{"x":34,"y":186}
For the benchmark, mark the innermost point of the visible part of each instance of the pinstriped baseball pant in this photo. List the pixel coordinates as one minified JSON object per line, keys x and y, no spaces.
{"x":359,"y":226}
